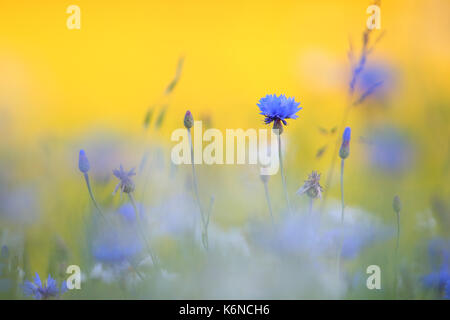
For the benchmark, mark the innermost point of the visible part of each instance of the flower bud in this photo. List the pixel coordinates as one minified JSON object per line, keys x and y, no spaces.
{"x":83,"y":162}
{"x":396,"y":204}
{"x":344,"y":152}
{"x":188,"y":120}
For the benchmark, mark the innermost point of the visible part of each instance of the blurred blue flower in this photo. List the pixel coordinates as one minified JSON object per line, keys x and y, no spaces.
{"x":447,"y":290}
{"x":128,"y":213}
{"x":19,"y":205}
{"x":374,"y":74}
{"x":83,"y":162}
{"x":116,"y":246}
{"x":439,"y":255}
{"x":278,"y":108}
{"x":46,"y":290}
{"x":390,"y":150}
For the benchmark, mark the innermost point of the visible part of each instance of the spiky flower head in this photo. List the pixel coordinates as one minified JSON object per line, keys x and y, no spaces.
{"x":277,"y":109}
{"x":83,"y":162}
{"x":43,"y":291}
{"x":188,"y":120}
{"x":344,"y":152}
{"x":312,"y":186}
{"x":397,"y":204}
{"x":125,"y":184}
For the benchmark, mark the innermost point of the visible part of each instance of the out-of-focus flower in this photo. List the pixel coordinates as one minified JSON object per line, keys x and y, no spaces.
{"x":118,"y":242}
{"x":188,"y":120}
{"x":312,"y":186}
{"x":116,"y":245}
{"x":278,"y":109}
{"x":439,"y":255}
{"x":345,"y":146}
{"x":19,"y":206}
{"x":128,"y":213}
{"x":126,"y":184}
{"x":374,"y":74}
{"x":447,"y":290}
{"x":389,"y":150}
{"x":83,"y":162}
{"x":42,"y":291}
{"x":311,"y":236}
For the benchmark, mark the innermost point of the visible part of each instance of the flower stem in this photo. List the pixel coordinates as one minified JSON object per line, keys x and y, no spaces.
{"x":197,"y":196}
{"x":310,"y":206}
{"x":396,"y":254}
{"x":342,"y":191}
{"x":142,"y":234}
{"x":91,"y":194}
{"x":335,"y":152}
{"x":283,"y":178}
{"x":269,"y":204}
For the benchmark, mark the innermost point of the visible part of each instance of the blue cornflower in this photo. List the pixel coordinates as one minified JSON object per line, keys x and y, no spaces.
{"x":42,"y":291}
{"x":278,"y":109}
{"x":345,"y":147}
{"x":439,"y":254}
{"x":116,"y":245}
{"x":83,"y":162}
{"x":126,"y":184}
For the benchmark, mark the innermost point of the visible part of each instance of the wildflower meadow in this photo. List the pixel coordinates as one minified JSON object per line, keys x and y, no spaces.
{"x":225,"y":150}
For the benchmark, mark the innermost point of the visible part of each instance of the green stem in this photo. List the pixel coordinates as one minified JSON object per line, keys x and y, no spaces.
{"x":269,"y":204}
{"x":283,"y":178}
{"x":197,"y":196}
{"x":396,"y":254}
{"x":342,"y":191}
{"x":310,"y":205}
{"x":91,"y":194}
{"x":335,"y":153}
{"x":142,"y":234}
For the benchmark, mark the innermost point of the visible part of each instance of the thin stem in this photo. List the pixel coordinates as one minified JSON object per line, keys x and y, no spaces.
{"x":205,"y":231}
{"x":142,"y":234}
{"x":91,"y":194}
{"x":269,"y":204}
{"x":396,"y":254}
{"x":310,"y":206}
{"x":283,"y":178}
{"x":197,"y":196}
{"x":342,"y":191}
{"x":335,"y":153}
{"x":398,"y":233}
